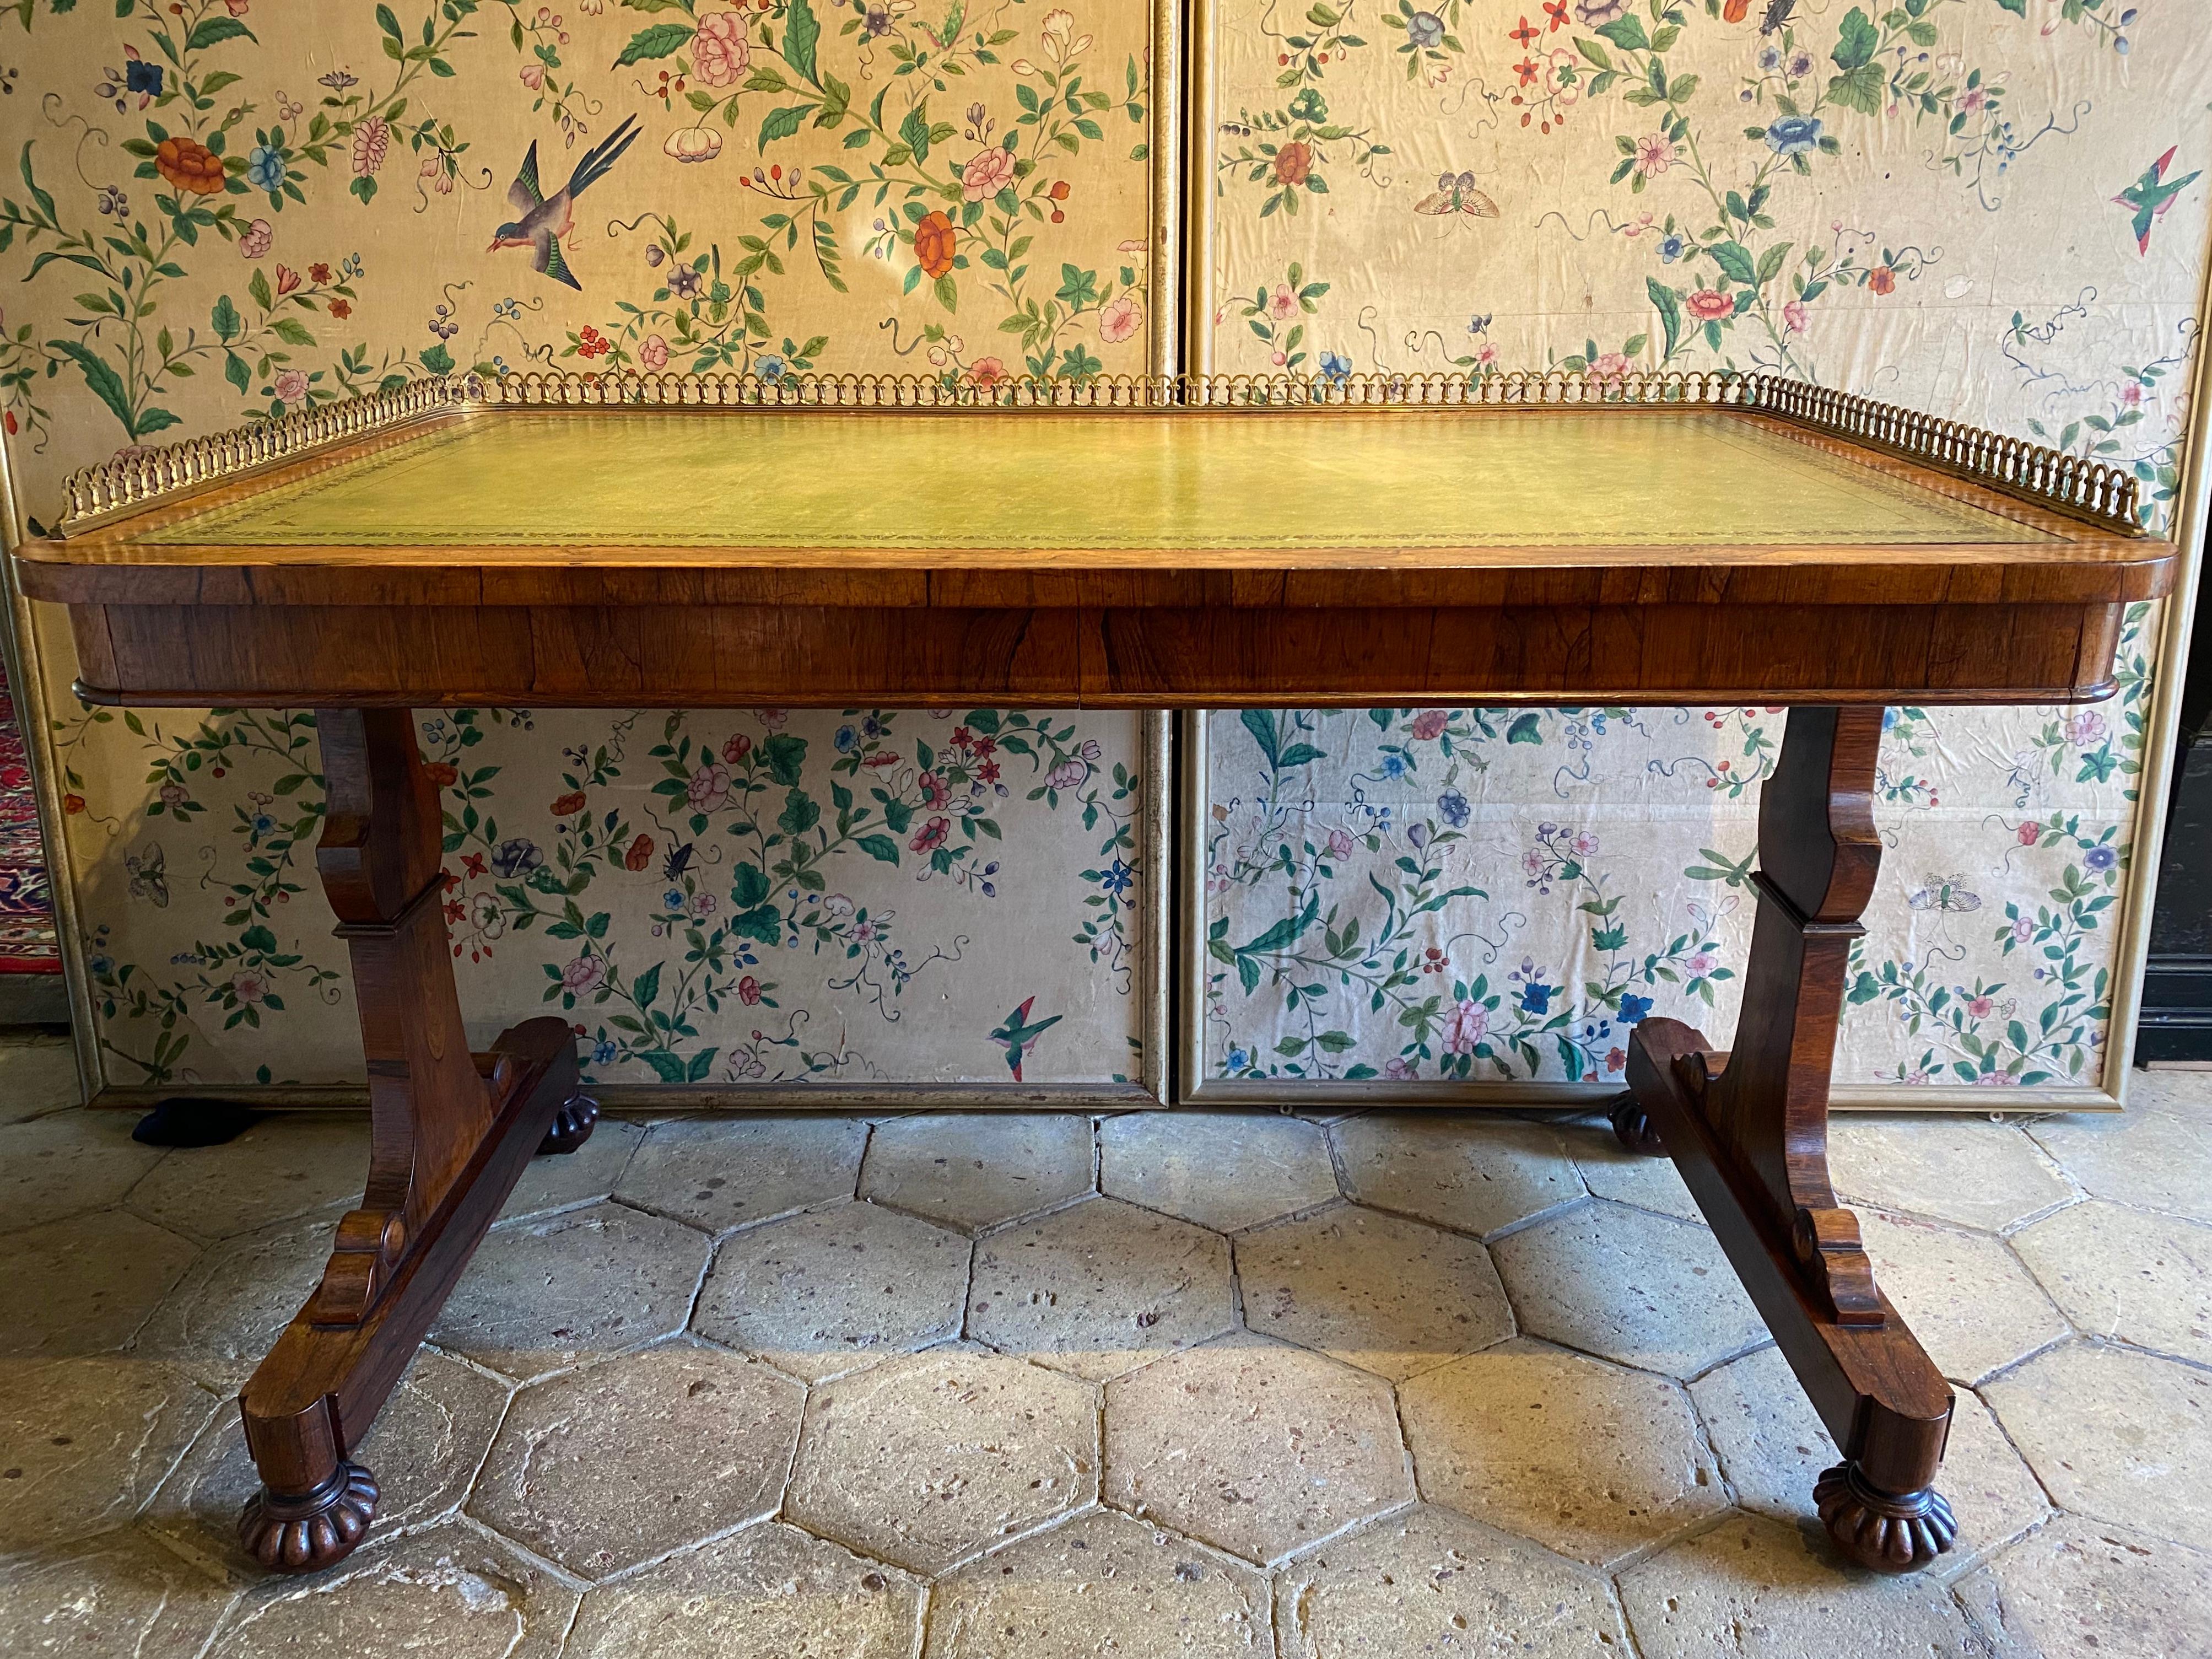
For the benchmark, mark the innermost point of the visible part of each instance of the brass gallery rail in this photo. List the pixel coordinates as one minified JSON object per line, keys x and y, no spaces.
{"x":1186,"y":542}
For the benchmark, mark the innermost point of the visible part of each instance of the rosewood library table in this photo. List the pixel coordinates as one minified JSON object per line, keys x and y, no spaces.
{"x":568,"y":541}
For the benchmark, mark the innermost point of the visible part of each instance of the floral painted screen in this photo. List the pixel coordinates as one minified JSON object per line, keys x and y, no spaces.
{"x":1994,"y":210}
{"x":221,"y":210}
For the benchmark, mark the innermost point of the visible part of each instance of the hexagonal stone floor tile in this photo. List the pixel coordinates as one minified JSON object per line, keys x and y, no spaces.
{"x":1589,"y":1459}
{"x":542,"y":1295}
{"x":2121,"y":1273}
{"x":1768,"y":1592}
{"x":1914,"y":1165}
{"x":424,"y":1448}
{"x":554,"y":1180}
{"x":2120,"y":1435}
{"x":233,"y":1301}
{"x":1101,"y":1583}
{"x":1429,"y":1581}
{"x":1097,"y":1288}
{"x":1376,"y":1291}
{"x":286,"y":1165}
{"x":1611,"y":1170}
{"x":83,"y":1443}
{"x":66,"y":1163}
{"x":1629,"y":1285}
{"x":604,"y":1467}
{"x":37,"y":1077}
{"x":1773,"y":1447}
{"x":2086,"y":1587}
{"x":975,"y":1169}
{"x":828,"y":1292}
{"x":1477,"y":1173}
{"x":1224,"y":1170}
{"x":927,"y":1459}
{"x":118,"y":1594}
{"x":1973,"y":1306}
{"x":449,"y":1591}
{"x":2157,"y":1155}
{"x":770,"y":1592}
{"x":723,"y":1172}
{"x":1256,"y":1447}
{"x":86,"y":1285}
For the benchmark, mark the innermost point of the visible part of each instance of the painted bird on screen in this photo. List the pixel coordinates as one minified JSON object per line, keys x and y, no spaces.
{"x":1016,"y":1035}
{"x":545,"y":220}
{"x":2151,"y":195}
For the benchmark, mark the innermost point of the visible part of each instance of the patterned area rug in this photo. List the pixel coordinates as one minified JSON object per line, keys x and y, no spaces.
{"x":28,"y":942}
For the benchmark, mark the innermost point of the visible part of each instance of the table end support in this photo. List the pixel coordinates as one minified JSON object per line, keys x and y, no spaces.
{"x":1748,"y":1130}
{"x":451,"y":1131}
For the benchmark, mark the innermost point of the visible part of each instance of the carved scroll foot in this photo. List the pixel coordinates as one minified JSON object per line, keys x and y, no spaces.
{"x":1632,"y":1129}
{"x":308,"y":1531}
{"x":572,"y":1124}
{"x":1884,"y":1532}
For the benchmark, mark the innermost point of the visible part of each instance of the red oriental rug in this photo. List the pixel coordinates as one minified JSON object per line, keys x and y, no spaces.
{"x":27,"y":941}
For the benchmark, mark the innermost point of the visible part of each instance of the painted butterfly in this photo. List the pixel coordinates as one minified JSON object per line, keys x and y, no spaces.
{"x":1456,"y":193}
{"x":150,"y":874}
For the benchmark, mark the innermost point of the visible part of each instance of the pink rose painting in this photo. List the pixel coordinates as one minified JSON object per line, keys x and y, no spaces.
{"x":1464,"y":1027}
{"x":720,"y":51}
{"x":989,"y":172}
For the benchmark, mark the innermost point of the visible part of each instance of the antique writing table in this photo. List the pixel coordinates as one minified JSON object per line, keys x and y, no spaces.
{"x":621,"y":540}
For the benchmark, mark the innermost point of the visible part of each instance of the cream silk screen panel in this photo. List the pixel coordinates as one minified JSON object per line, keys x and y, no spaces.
{"x":1993,"y":209}
{"x":222,"y":211}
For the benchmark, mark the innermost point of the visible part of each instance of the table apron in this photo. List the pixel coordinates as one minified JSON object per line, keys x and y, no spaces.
{"x":1153,"y":657}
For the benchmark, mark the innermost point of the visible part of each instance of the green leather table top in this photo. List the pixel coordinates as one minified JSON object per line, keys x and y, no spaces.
{"x":1100,"y":483}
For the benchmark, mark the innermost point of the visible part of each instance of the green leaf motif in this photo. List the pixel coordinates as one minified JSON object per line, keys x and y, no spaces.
{"x":748,"y":886}
{"x":1862,"y":89}
{"x":1669,"y":307}
{"x":106,"y":384}
{"x":761,"y":924}
{"x":783,"y":122}
{"x":785,"y":755}
{"x":800,"y":32}
{"x":1735,"y":259}
{"x":800,"y":813}
{"x":214,"y":31}
{"x":914,"y":131}
{"x":658,"y":41}
{"x":1856,"y":44}
{"x":1262,"y":725}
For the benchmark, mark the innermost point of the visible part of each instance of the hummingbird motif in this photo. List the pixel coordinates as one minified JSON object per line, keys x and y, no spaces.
{"x":1016,"y":1035}
{"x":2150,"y":196}
{"x":545,"y":220}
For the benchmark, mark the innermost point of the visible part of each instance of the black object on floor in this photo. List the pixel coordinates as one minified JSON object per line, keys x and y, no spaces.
{"x":194,"y":1123}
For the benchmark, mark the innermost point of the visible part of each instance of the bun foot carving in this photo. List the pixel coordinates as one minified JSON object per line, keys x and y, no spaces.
{"x":572,"y":1124}
{"x":1888,"y":1532}
{"x":313,"y":1530}
{"x":1634,"y":1130}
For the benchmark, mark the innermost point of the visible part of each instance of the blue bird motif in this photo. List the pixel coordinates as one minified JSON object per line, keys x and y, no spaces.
{"x":545,"y":220}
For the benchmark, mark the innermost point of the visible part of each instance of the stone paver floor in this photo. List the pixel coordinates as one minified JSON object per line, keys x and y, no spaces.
{"x":1212,"y":1386}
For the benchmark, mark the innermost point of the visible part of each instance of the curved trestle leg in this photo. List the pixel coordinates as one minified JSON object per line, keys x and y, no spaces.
{"x":450,"y":1132}
{"x":1749,"y":1131}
